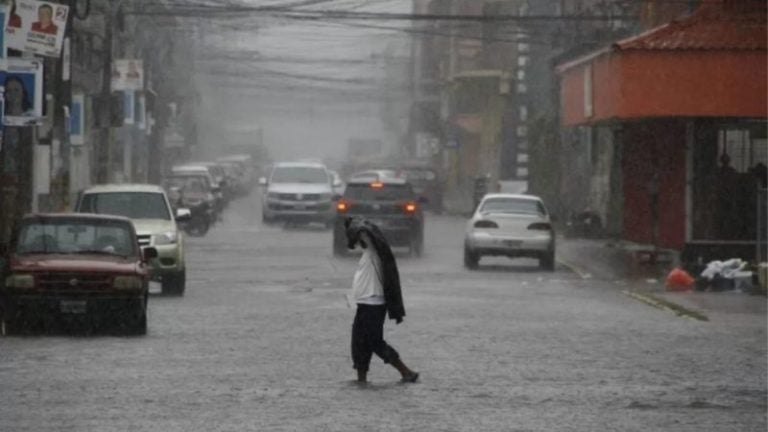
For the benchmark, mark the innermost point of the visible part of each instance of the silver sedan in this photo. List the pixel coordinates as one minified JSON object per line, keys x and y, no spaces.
{"x":510,"y":225}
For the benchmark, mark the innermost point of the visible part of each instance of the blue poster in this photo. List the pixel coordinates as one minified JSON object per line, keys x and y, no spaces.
{"x":23,"y":82}
{"x":3,"y":17}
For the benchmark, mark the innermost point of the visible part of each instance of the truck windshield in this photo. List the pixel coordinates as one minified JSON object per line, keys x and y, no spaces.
{"x":298,"y":174}
{"x":133,"y":205}
{"x":68,"y":236}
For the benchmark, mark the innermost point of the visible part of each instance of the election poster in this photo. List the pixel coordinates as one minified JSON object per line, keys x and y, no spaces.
{"x":127,"y":74}
{"x":36,"y":27}
{"x":77,"y":120}
{"x":23,"y":83}
{"x":4,"y":22}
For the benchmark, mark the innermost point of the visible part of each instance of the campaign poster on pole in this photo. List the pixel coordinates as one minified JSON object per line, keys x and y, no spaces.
{"x":77,"y":120}
{"x":4,"y":23}
{"x":23,"y":89}
{"x":141,"y":112}
{"x":36,"y":27}
{"x":129,"y":107}
{"x":127,"y":74}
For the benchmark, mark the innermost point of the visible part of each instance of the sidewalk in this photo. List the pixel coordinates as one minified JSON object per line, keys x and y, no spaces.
{"x":609,"y":260}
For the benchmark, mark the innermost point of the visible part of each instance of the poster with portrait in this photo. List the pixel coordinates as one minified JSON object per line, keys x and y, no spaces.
{"x":141,"y":112}
{"x":127,"y":74}
{"x":77,"y":120}
{"x":22,"y":80}
{"x":36,"y":27}
{"x":4,"y":21}
{"x":129,"y":107}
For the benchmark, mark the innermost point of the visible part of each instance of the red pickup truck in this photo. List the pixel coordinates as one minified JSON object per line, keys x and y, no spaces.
{"x":79,"y":265}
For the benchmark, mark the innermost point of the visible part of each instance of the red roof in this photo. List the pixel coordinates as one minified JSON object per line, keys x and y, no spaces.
{"x":721,"y":26}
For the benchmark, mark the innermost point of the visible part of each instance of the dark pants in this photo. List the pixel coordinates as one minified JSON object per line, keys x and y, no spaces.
{"x":368,"y":337}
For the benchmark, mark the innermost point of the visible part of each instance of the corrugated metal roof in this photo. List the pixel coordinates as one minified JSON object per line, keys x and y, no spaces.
{"x":712,"y":27}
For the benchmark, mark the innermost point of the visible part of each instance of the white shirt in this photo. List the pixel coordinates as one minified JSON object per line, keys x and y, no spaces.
{"x":366,"y":286}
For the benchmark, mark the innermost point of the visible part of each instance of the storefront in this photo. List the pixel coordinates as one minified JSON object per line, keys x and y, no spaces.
{"x":687,"y":102}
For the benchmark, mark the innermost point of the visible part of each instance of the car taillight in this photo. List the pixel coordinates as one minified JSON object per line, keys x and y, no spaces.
{"x":377,"y":185}
{"x":540,"y":226}
{"x":342,"y":206}
{"x":410,"y":207}
{"x":486,"y":224}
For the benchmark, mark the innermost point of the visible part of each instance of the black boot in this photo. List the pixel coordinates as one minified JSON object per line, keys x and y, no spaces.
{"x":362,"y":376}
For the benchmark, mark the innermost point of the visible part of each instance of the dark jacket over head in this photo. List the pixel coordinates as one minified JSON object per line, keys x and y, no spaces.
{"x":390,"y":276}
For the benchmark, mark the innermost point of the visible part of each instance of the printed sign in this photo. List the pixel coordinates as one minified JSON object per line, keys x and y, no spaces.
{"x":128,"y":107}
{"x":77,"y":120}
{"x":36,"y":27}
{"x":23,"y":83}
{"x":127,"y":75}
{"x":4,"y":22}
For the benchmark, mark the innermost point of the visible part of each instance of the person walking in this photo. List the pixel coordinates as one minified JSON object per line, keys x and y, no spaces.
{"x":376,"y":291}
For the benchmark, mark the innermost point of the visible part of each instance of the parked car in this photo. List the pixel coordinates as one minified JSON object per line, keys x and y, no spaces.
{"x":246,"y":170}
{"x":76,"y":264}
{"x":150,"y":211}
{"x":194,"y":193}
{"x":510,"y":225}
{"x":390,"y":204}
{"x":298,"y":192}
{"x":213,"y":194}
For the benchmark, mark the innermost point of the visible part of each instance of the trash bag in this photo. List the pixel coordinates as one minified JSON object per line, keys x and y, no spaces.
{"x":679,"y":280}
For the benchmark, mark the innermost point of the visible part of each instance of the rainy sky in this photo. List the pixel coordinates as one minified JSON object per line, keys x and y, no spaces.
{"x":310,"y":85}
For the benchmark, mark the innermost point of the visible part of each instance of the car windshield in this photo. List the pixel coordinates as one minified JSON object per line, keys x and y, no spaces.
{"x":133,"y":205}
{"x":513,"y":206}
{"x":195,"y":184}
{"x":384,"y":192}
{"x":71,"y":236}
{"x":299,"y":175}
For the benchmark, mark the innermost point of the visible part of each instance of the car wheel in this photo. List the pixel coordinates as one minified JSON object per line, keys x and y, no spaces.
{"x":174,"y":284}
{"x":471,"y":259}
{"x":547,"y":261}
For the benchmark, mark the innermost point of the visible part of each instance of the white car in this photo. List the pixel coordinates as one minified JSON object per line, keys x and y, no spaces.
{"x":510,"y":225}
{"x":298,"y":192}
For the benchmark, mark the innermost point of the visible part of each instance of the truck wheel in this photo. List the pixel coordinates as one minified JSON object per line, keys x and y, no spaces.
{"x":174,"y":284}
{"x":471,"y":259}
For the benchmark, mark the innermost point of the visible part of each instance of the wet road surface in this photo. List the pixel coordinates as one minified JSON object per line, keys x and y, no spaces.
{"x":260,"y":342}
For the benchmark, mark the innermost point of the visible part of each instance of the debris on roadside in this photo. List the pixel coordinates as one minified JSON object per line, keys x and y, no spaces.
{"x":679,"y":280}
{"x":729,"y":275}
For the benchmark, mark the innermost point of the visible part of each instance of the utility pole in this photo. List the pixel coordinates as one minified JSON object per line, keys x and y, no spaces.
{"x":104,"y":173}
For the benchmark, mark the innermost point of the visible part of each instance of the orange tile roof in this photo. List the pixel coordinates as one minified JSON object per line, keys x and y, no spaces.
{"x":712,"y":27}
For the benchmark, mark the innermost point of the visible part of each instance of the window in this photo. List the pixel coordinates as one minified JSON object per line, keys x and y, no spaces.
{"x":513,"y":206}
{"x":70,"y":236}
{"x":299,"y":174}
{"x":746,"y":147}
{"x":387,"y":192}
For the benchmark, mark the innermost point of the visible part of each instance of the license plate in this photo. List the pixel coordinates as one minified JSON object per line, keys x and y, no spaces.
{"x":73,"y":306}
{"x":512,"y":243}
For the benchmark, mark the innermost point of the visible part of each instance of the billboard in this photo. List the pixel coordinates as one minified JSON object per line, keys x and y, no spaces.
{"x":36,"y":27}
{"x":127,"y":74}
{"x":22,"y":80}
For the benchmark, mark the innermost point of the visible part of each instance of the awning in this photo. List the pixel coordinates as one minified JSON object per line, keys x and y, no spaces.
{"x":710,"y":64}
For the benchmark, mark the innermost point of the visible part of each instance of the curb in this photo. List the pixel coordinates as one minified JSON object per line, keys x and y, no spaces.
{"x":666,"y":305}
{"x":576,"y":269}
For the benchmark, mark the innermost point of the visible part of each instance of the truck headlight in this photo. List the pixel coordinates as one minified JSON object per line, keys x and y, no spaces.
{"x":165,"y":238}
{"x":20,"y":281}
{"x":127,"y":283}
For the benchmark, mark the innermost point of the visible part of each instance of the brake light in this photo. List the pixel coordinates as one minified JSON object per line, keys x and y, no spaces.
{"x":377,"y":185}
{"x":410,"y":207}
{"x":540,"y":226}
{"x":342,"y":206}
{"x":486,"y":224}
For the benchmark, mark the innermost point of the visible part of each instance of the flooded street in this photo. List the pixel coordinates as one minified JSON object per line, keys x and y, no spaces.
{"x":260,"y":341}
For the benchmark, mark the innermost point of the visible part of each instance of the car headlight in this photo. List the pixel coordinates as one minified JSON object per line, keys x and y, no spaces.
{"x":166,"y":238}
{"x":20,"y":281}
{"x":127,"y":283}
